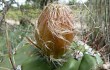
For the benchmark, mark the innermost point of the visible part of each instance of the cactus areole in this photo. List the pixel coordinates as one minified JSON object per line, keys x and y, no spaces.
{"x":54,"y":31}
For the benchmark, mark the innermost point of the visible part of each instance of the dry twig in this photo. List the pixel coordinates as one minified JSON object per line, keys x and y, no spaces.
{"x":9,"y":49}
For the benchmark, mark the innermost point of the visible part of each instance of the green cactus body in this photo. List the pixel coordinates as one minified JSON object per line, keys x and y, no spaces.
{"x":88,"y":63}
{"x":71,"y":64}
{"x":36,"y":63}
{"x":30,"y":61}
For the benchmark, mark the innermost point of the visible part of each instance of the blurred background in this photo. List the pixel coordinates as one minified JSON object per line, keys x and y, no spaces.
{"x":91,"y":22}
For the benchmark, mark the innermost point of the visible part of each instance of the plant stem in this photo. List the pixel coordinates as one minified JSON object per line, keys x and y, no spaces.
{"x":9,"y":49}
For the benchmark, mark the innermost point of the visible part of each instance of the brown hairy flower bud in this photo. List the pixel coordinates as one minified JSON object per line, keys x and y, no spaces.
{"x":54,"y":31}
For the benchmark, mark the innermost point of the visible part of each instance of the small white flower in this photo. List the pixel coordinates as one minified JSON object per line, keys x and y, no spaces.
{"x":18,"y":67}
{"x":89,"y":50}
{"x":94,"y":54}
{"x":80,"y":43}
{"x":86,"y":46}
{"x":83,"y":44}
{"x":86,"y":53}
{"x":98,"y":54}
{"x":78,"y":55}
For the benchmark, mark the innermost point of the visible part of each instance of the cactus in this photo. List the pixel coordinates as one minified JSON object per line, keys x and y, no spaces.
{"x":90,"y":60}
{"x":54,"y":35}
{"x":55,"y":47}
{"x":29,"y":60}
